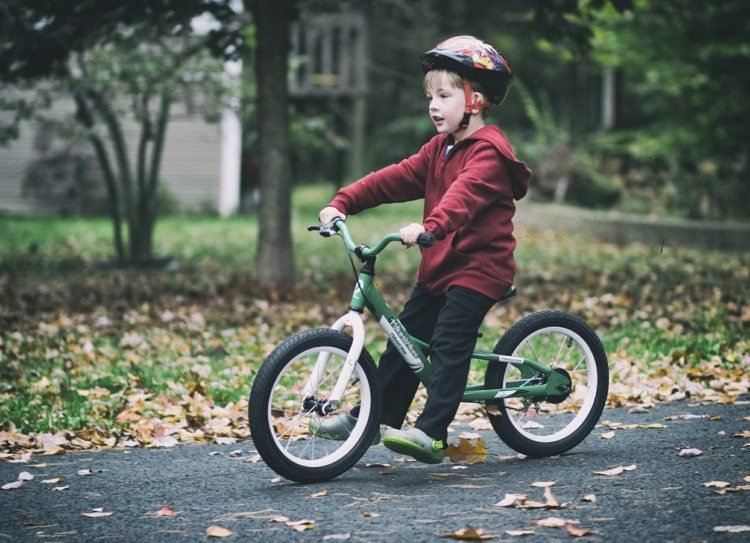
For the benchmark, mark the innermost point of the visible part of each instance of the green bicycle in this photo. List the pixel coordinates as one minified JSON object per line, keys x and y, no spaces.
{"x":545,"y":383}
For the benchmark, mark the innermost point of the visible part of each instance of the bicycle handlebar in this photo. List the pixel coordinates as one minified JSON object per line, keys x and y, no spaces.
{"x":338,"y":226}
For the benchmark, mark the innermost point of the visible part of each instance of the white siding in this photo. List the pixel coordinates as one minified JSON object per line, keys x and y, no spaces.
{"x":190,"y":169}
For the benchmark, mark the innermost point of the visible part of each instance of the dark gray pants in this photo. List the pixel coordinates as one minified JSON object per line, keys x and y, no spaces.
{"x":450,"y":323}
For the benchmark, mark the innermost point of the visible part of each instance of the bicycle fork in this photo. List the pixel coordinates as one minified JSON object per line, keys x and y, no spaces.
{"x":353,"y":320}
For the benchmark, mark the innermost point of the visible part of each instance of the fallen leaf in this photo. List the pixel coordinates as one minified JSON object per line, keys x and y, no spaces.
{"x":690,"y":453}
{"x":468,"y":533}
{"x":319,"y":494}
{"x":23,"y":459}
{"x":480,"y":424}
{"x":589,"y":498}
{"x":519,"y":533}
{"x":53,"y":481}
{"x":552,"y":522}
{"x":166,"y":511}
{"x":97,"y":512}
{"x":217,"y":531}
{"x":84,"y":472}
{"x":716,"y":484}
{"x":466,"y":451}
{"x":740,"y":488}
{"x":298,"y":525}
{"x":25,"y":476}
{"x":543,"y":484}
{"x":607,"y":435}
{"x":59,"y":488}
{"x":520,"y":501}
{"x":616,"y":471}
{"x":14,"y":485}
{"x":733,"y":529}
{"x":551,"y":502}
{"x":576,"y":531}
{"x":745,"y":434}
{"x":652,"y":426}
{"x":301,"y":525}
{"x":337,"y":537}
{"x":511,"y":500}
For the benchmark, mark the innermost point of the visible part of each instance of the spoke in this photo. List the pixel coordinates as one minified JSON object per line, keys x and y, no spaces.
{"x":575,"y":368}
{"x":558,"y":356}
{"x":531,"y":348}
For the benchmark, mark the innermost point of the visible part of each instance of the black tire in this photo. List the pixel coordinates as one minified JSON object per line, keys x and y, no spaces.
{"x":279,"y":423}
{"x":551,"y":427}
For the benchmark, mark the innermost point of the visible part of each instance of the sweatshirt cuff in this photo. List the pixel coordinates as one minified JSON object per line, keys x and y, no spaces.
{"x":431,"y":225}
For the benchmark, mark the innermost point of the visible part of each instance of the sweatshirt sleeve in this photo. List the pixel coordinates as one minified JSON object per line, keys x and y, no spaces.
{"x":483,"y":180}
{"x":400,"y":182}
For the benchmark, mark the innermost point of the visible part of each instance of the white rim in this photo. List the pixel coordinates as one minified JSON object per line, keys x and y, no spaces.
{"x":588,"y":400}
{"x":345,"y":446}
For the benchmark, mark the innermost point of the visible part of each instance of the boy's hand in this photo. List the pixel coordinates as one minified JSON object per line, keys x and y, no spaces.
{"x":410,"y":233}
{"x":327,"y":214}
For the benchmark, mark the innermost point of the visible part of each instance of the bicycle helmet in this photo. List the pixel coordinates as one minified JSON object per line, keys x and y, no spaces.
{"x":473,"y":60}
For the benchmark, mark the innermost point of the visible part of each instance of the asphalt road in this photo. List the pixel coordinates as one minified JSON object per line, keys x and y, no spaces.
{"x":662,"y":499}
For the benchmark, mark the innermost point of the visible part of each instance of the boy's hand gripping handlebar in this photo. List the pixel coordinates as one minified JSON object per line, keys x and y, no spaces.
{"x":338,"y":226}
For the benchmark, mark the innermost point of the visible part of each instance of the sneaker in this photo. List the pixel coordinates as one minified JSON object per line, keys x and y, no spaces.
{"x":415,"y":443}
{"x":337,"y":428}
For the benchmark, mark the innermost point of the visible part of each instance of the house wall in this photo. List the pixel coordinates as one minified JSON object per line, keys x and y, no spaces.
{"x":191,"y":166}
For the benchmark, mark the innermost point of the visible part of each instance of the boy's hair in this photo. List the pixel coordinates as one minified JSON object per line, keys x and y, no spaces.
{"x":456,"y":80}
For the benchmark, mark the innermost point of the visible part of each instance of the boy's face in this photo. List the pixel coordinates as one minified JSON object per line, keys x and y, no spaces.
{"x":446,"y":103}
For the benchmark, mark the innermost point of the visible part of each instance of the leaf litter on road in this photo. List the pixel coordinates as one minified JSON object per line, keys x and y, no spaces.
{"x":467,"y":533}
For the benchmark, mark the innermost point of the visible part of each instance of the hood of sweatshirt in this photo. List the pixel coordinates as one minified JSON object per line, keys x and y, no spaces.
{"x":520,"y":173}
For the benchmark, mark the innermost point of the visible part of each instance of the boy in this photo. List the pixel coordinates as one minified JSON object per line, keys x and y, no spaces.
{"x":469,"y":178}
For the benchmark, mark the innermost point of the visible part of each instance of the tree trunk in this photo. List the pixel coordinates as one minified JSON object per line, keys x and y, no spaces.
{"x":274,"y":259}
{"x":86,"y":118}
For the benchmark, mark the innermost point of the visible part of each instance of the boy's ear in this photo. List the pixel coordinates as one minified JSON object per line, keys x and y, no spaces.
{"x":479,"y":102}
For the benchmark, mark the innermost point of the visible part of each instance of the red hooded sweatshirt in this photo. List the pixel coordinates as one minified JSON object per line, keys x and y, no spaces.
{"x":469,"y":194}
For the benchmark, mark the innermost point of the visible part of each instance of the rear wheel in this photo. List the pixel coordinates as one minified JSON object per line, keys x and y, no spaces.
{"x":554,"y":424}
{"x":281,"y":411}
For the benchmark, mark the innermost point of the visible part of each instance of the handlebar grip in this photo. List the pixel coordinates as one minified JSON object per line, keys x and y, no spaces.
{"x":426,"y":239}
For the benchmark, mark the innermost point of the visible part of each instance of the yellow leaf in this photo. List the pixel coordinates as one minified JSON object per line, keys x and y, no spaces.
{"x":319,"y":494}
{"x":466,"y":451}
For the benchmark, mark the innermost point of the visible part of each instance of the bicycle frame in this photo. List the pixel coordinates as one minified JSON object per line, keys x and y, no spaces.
{"x":538,"y":381}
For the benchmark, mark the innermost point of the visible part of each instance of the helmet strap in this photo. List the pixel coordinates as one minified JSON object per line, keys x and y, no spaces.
{"x":470,"y":105}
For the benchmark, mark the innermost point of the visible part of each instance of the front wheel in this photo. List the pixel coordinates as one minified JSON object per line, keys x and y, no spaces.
{"x":283,"y":407}
{"x":552,"y":425}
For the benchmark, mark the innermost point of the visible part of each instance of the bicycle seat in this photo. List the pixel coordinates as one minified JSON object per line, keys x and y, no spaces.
{"x":512,"y":291}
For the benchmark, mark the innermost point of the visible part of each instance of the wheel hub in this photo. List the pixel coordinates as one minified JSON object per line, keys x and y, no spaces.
{"x":564,"y":386}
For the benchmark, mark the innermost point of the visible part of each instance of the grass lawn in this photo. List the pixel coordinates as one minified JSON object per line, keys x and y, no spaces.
{"x":93,"y":356}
